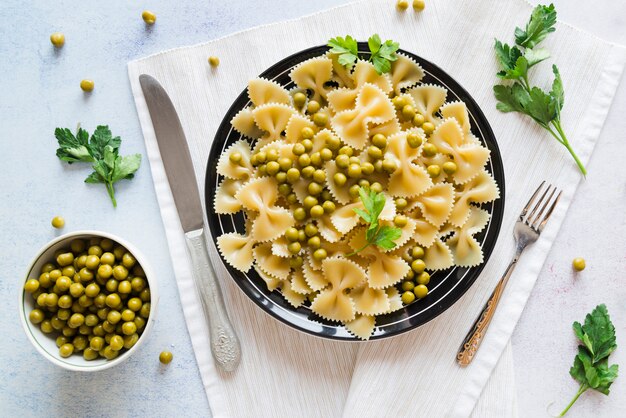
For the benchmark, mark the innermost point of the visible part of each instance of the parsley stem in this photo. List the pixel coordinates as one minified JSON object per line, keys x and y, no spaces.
{"x":111,"y":192}
{"x":565,"y":142}
{"x":581,"y":390}
{"x":359,"y":250}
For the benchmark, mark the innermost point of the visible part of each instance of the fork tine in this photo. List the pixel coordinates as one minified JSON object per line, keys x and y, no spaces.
{"x":545,"y":218}
{"x":536,"y":219}
{"x":530,"y":201}
{"x":537,"y":205}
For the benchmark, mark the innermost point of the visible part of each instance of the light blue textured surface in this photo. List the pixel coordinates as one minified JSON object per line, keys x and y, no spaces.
{"x":39,"y":90}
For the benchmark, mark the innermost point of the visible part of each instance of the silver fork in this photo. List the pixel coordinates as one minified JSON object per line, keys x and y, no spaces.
{"x":527,"y":229}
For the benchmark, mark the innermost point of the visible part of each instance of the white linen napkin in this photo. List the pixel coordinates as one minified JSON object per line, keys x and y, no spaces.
{"x":286,"y":373}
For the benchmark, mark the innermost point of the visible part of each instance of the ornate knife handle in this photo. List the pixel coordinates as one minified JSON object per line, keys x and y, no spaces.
{"x":474,"y":337}
{"x":224,"y":342}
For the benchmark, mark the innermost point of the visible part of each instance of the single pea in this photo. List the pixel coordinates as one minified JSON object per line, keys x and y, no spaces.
{"x":314,"y":188}
{"x":364,"y":183}
{"x":433,"y":170}
{"x":94,"y":241}
{"x":272,"y":168}
{"x":326,"y":154}
{"x":111,"y":285}
{"x":108,"y":353}
{"x":120,"y":272}
{"x":253,"y":160}
{"x":91,"y":320}
{"x":272,"y":154}
{"x":128,"y":315}
{"x":449,"y":167}
{"x":408,"y":112}
{"x":423,"y":278}
{"x":314,"y":242}
{"x":90,"y":354}
{"x":129,"y":328}
{"x":399,"y":102}
{"x":45,"y":326}
{"x":328,"y":206}
{"x":95,"y":250}
{"x":284,"y":189}
{"x":367,"y":168}
{"x":79,"y":262}
{"x":57,"y":323}
{"x":346,"y":150}
{"x":114,"y":317}
{"x":105,"y":271}
{"x":106,"y":244}
{"x":390,"y":166}
{"x":320,"y":119}
{"x":113,"y":300}
{"x":52,"y":299}
{"x":85,"y":274}
{"x":320,"y":254}
{"x":66,"y":350}
{"x":130,"y":340}
{"x":134,"y":304}
{"x":31,"y":285}
{"x":41,"y":299}
{"x":340,"y":179}
{"x":407,"y":285}
{"x":420,"y":291}
{"x":144,"y":312}
{"x":235,"y":157}
{"x":419,"y":5}
{"x":374,"y":152}
{"x":313,"y":107}
{"x":291,"y":234}
{"x":124,"y":287}
{"x":316,"y":159}
{"x":299,"y":214}
{"x":298,"y":149}
{"x":378,"y":166}
{"x":333,"y":142}
{"x":316,"y":211}
{"x":36,"y":316}
{"x":76,"y":320}
{"x":354,"y":190}
{"x":79,"y":342}
{"x":57,"y":39}
{"x":67,"y":331}
{"x":294,"y":247}
{"x":342,"y":161}
{"x":116,"y":343}
{"x":65,"y":259}
{"x":307,"y":172}
{"x":304,"y":160}
{"x":355,"y":160}
{"x":400,"y":221}
{"x":408,"y":297}
{"x":417,"y":252}
{"x":380,"y":141}
{"x":285,"y":163}
{"x":77,"y":307}
{"x":108,"y":327}
{"x":148,"y":17}
{"x":166,"y":357}
{"x":319,"y":176}
{"x":310,"y":230}
{"x":299,"y":99}
{"x":308,"y":144}
{"x":292,"y":199}
{"x":418,"y":119}
{"x":414,"y":140}
{"x":87,"y":85}
{"x":93,"y":261}
{"x":428,"y":128}
{"x":69,"y":271}
{"x":261,"y":157}
{"x":309,"y":202}
{"x":579,"y":264}
{"x":61,"y":339}
{"x":64,"y":314}
{"x":418,"y":266}
{"x":295,"y":262}
{"x":307,"y":132}
{"x":100,"y":300}
{"x":58,"y":222}
{"x":281,"y":177}
{"x":354,"y":171}
{"x":47,"y":268}
{"x":262,"y":170}
{"x":65,"y":302}
{"x":429,"y":150}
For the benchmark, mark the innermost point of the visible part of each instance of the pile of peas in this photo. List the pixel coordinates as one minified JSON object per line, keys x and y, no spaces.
{"x":415,"y":282}
{"x":93,"y":298}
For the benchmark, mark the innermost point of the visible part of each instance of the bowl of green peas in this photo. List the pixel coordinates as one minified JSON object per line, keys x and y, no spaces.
{"x":88,"y":300}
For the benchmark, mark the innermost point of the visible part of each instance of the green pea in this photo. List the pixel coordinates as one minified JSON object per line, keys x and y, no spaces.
{"x":418,"y":266}
{"x":95,"y":250}
{"x":79,"y":262}
{"x":296,"y":262}
{"x":420,"y":291}
{"x":79,"y":342}
{"x":134,"y":304}
{"x":401,"y":203}
{"x":579,"y":264}
{"x":129,"y":328}
{"x":418,"y":119}
{"x":285,"y":163}
{"x":319,"y":176}
{"x":423,"y":278}
{"x":407,"y":286}
{"x":307,"y":172}
{"x":346,"y":150}
{"x":407,"y":297}
{"x":326,"y":154}
{"x":130,"y":340}
{"x":449,"y":167}
{"x":417,"y":252}
{"x":333,"y":142}
{"x":307,"y":133}
{"x":355,"y":160}
{"x":304,"y":160}
{"x":316,"y":211}
{"x":291,"y":234}
{"x":76,"y":320}
{"x":299,"y":214}
{"x":380,"y":141}
{"x":68,"y":331}
{"x":367,"y":168}
{"x":428,"y":128}
{"x":320,"y":119}
{"x":414,"y":140}
{"x":301,"y":235}
{"x":294,"y":247}
{"x":342,"y":161}
{"x":66,"y":350}
{"x":113,"y":300}
{"x":340,"y":179}
{"x":408,"y":112}
{"x":328,"y":206}
{"x":65,"y":259}
{"x":272,"y":168}
{"x":316,"y":159}
{"x":235,"y":157}
{"x":77,"y":245}
{"x":390,"y":166}
{"x":253,"y":160}
{"x":400,"y":221}
{"x":69,"y":271}
{"x":298,"y":149}
{"x":120,"y":272}
{"x":61,"y":339}
{"x":320,"y":254}
{"x":36,"y":316}
{"x":114,"y":317}
{"x":65,"y":302}
{"x":57,"y":323}
{"x":128,"y":315}
{"x":262,"y":170}
{"x":364,"y":183}
{"x":109,"y":353}
{"x":111,"y":285}
{"x":91,"y":320}
{"x":399,"y":102}
{"x":376,"y":187}
{"x":310,"y":230}
{"x":58,"y":221}
{"x":309,"y":202}
{"x":299,"y":99}
{"x":281,"y":177}
{"x":261,"y":157}
{"x":292,"y":199}
{"x":354,"y":190}
{"x":41,"y":299}
{"x":313,"y":107}
{"x":433,"y":170}
{"x":64,"y":314}
{"x":308,"y":144}
{"x":314,"y":242}
{"x":90,"y":354}
{"x":124,"y":287}
{"x":52,"y":299}
{"x":354,"y":171}
{"x":116,"y":343}
{"x":166,"y":357}
{"x":144,"y":312}
{"x":284,"y":189}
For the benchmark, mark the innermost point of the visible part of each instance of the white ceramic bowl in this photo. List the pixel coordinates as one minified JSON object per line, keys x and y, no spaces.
{"x":45,"y":343}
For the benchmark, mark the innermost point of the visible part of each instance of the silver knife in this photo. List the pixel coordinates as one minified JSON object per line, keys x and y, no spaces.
{"x":179,"y":169}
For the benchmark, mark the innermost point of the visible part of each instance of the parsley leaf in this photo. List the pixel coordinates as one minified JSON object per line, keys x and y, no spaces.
{"x":102,"y":150}
{"x":591,"y":365}
{"x":382,"y":54}
{"x":541,"y":23}
{"x":381,"y":236}
{"x":518,"y":95}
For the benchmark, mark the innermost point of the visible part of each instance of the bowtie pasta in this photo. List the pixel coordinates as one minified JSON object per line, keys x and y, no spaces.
{"x":296,"y":172}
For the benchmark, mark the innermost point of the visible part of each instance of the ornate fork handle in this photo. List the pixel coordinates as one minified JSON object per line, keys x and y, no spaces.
{"x":475,"y":336}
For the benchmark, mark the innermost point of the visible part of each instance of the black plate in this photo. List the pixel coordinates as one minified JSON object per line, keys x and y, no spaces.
{"x":446,"y":286}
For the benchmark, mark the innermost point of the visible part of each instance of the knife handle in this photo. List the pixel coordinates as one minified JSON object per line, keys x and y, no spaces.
{"x":224,"y":342}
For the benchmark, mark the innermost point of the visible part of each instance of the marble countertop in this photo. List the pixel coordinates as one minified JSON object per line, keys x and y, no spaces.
{"x":40,"y":91}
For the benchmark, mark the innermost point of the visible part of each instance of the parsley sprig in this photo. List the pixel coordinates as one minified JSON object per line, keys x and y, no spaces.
{"x":383,"y":236}
{"x":591,"y":368}
{"x":382,"y":53}
{"x":102,"y":150}
{"x":519,"y":96}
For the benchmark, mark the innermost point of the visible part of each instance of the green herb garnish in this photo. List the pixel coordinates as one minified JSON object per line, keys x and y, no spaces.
{"x":544,"y":107}
{"x":382,"y":54}
{"x":591,"y":368}
{"x":102,"y":150}
{"x":383,"y":236}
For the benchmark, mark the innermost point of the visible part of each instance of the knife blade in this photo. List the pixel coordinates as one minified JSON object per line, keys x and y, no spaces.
{"x":179,"y":169}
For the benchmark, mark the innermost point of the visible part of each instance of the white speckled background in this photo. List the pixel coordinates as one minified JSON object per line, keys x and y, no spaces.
{"x":39,"y":91}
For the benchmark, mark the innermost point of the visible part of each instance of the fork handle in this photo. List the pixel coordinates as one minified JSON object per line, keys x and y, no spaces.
{"x":475,"y":336}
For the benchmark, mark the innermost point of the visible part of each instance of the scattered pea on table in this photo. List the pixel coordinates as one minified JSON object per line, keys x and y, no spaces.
{"x":57,"y":39}
{"x":58,"y":222}
{"x":579,"y":264}
{"x":148,"y":17}
{"x":87,"y":85}
{"x":214,"y":61}
{"x":166,"y":357}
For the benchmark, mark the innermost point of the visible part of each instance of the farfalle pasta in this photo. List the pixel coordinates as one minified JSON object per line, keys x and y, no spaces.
{"x":298,"y":168}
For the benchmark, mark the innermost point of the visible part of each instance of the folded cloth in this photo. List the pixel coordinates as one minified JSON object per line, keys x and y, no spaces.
{"x":286,"y":373}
